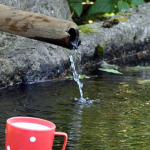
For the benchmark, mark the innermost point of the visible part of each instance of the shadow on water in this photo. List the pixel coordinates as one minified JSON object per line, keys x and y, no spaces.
{"x":119,"y":120}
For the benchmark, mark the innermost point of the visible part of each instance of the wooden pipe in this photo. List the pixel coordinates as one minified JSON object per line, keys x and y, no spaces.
{"x":39,"y":27}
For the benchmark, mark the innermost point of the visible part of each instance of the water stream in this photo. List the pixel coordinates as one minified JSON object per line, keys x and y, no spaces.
{"x":76,"y":77}
{"x":76,"y":68}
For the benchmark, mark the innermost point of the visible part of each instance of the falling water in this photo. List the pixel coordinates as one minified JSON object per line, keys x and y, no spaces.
{"x":77,"y":78}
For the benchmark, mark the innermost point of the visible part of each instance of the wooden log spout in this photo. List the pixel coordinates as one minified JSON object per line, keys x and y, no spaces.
{"x":39,"y":27}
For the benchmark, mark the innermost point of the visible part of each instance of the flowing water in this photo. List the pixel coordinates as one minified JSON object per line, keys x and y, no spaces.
{"x":77,"y":79}
{"x":118,"y":118}
{"x":76,"y":68}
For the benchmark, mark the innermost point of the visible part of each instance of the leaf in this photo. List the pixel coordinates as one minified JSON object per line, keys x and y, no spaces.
{"x":145,"y":81}
{"x":108,"y":66}
{"x":77,"y":6}
{"x":105,"y":6}
{"x":123,"y":5}
{"x":69,"y":77}
{"x":137,"y":2}
{"x":93,"y":76}
{"x":110,"y":70}
{"x":138,"y":68}
{"x":82,"y":76}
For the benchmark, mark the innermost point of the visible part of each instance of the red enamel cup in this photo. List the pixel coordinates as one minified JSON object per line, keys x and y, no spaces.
{"x":28,"y":133}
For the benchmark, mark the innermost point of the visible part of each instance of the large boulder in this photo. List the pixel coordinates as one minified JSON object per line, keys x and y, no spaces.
{"x":26,"y":60}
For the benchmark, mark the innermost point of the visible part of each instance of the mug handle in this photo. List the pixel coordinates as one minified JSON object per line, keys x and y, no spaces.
{"x":65,"y":136}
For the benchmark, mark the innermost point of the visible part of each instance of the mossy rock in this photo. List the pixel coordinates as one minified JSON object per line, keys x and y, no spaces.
{"x":121,"y":19}
{"x":110,"y":22}
{"x":86,"y":29}
{"x":124,"y":13}
{"x":135,"y":38}
{"x":99,"y":51}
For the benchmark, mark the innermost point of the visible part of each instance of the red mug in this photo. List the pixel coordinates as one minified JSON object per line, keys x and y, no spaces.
{"x":28,"y":133}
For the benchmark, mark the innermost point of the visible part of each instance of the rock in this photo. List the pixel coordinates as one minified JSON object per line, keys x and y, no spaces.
{"x":125,"y":43}
{"x":26,"y":60}
{"x":58,"y":8}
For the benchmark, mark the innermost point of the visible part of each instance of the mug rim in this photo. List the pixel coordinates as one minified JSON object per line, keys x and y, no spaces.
{"x":47,"y":123}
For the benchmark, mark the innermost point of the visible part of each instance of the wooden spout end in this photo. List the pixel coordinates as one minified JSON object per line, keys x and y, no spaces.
{"x":74,"y":38}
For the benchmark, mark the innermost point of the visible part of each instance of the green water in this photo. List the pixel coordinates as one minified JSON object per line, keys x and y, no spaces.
{"x":116,"y":117}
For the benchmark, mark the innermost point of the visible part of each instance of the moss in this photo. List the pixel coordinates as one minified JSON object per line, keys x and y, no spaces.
{"x":124,"y":13}
{"x":109,"y":23}
{"x":86,"y":29}
{"x":113,"y":21}
{"x":101,"y":17}
{"x":127,"y":35}
{"x":99,"y":51}
{"x":121,"y":19}
{"x":135,"y":37}
{"x":103,"y":42}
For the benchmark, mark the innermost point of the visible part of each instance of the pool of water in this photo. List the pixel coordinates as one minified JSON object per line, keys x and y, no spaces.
{"x":116,"y":116}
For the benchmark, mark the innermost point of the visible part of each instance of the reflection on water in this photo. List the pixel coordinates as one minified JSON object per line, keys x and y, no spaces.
{"x":119,"y":121}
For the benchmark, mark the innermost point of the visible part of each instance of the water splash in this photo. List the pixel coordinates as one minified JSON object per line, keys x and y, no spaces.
{"x":77,"y":79}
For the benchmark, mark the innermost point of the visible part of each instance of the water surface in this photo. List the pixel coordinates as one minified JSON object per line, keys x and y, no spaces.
{"x":118,"y":118}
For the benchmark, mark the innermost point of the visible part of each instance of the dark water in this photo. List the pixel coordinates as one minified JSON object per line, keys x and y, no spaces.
{"x":118,"y":118}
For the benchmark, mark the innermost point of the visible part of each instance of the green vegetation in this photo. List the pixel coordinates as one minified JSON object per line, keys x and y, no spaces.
{"x":86,"y":29}
{"x":144,"y":81}
{"x":138,"y":68}
{"x":109,"y":23}
{"x":109,"y":68}
{"x":88,"y":11}
{"x":83,"y":76}
{"x":99,"y":51}
{"x":135,"y":38}
{"x":124,"y":13}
